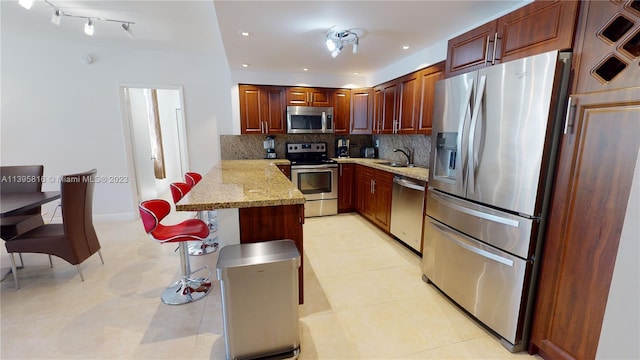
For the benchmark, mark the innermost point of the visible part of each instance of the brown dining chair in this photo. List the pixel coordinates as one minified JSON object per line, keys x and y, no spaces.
{"x":74,"y":240}
{"x":21,"y":179}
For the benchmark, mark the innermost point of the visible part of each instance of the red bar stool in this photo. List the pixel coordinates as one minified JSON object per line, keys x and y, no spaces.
{"x":210,"y":216}
{"x":188,"y":288}
{"x":196,"y":248}
{"x":192,"y":178}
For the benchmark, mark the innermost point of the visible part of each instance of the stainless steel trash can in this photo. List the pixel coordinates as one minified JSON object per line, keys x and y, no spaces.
{"x":259,"y":286}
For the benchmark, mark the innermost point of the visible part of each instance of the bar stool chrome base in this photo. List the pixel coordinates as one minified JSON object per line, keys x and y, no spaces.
{"x":188,"y":289}
{"x":204,"y":247}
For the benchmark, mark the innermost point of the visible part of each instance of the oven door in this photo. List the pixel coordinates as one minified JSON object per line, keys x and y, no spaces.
{"x":316,"y":182}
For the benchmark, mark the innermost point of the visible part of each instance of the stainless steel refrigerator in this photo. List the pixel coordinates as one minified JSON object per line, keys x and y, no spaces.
{"x":495,"y":135}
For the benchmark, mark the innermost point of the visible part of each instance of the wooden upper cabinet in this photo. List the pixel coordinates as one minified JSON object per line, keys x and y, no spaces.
{"x":303,"y":96}
{"x":535,"y":28}
{"x":428,"y":78}
{"x":471,"y":50}
{"x":262,"y":109}
{"x":341,"y":111}
{"x":378,"y":109}
{"x":389,"y":107}
{"x":408,"y":100}
{"x":250,"y":110}
{"x":361,"y":111}
{"x":607,"y":51}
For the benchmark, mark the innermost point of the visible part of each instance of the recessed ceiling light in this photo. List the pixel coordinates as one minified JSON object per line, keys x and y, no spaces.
{"x":244,"y":33}
{"x":245,"y":65}
{"x":356,"y":73}
{"x":405,"y":47}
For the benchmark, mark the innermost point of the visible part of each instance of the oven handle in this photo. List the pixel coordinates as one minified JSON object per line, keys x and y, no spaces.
{"x":314,"y":168}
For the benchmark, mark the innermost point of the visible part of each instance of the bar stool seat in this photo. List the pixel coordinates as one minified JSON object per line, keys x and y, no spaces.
{"x":188,"y":288}
{"x":201,"y":247}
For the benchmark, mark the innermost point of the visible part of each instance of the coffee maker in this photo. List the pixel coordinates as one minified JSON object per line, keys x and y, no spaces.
{"x":342,"y":148}
{"x":270,"y":146}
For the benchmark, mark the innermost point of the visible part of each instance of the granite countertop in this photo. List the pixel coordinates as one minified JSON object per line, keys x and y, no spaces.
{"x":419,"y":173}
{"x":240,"y":184}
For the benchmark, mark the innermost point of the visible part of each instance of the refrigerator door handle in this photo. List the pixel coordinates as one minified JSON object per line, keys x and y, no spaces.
{"x":453,"y":237}
{"x":476,"y":213}
{"x":463,"y":162}
{"x":472,"y":133}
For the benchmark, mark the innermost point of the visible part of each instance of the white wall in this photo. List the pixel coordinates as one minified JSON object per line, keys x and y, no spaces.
{"x":65,"y":114}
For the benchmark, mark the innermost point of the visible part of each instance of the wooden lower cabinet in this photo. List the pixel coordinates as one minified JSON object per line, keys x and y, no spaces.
{"x":286,"y":170}
{"x":595,"y":171}
{"x":346,"y":188}
{"x":274,"y":223}
{"x":373,"y":195}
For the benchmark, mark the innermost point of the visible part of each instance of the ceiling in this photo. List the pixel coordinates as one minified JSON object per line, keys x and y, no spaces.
{"x":285,"y":36}
{"x":288,"y":36}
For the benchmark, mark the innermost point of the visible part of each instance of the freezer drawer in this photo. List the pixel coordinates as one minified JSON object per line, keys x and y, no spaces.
{"x":511,"y":233}
{"x":487,"y":282}
{"x":259,"y":288}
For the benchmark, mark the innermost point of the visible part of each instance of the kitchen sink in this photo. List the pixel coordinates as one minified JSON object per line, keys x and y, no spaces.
{"x":395,"y":164}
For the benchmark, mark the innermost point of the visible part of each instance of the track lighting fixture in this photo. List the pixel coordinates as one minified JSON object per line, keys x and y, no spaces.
{"x":335,"y":40}
{"x":89,"y":27}
{"x":127,"y":28}
{"x":56,"y":17}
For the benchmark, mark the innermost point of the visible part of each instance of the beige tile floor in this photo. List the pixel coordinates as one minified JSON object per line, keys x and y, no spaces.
{"x":364,"y":300}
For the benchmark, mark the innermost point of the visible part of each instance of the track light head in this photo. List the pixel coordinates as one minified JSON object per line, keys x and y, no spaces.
{"x":56,"y":17}
{"x":127,"y":29}
{"x":335,"y":40}
{"x":88,"y":27}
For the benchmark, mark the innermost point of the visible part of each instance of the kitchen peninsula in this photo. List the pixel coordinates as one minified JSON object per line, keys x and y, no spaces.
{"x":255,"y":202}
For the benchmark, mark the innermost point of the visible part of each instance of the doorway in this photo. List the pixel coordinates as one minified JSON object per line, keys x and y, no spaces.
{"x":155,"y":121}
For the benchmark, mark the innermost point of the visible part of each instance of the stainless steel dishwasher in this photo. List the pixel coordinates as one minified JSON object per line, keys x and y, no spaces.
{"x":407,"y":210}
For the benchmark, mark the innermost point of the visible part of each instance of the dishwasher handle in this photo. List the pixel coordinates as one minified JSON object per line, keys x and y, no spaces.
{"x":408,"y":184}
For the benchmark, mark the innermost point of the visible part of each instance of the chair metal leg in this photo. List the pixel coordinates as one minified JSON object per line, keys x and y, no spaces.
{"x":21,"y":261}
{"x":101,"y":260}
{"x":50,"y":261}
{"x":80,"y":272}
{"x":187,"y":289}
{"x":14,"y":270}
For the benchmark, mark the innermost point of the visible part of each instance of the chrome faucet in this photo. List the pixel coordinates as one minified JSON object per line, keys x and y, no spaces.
{"x":408,"y":154}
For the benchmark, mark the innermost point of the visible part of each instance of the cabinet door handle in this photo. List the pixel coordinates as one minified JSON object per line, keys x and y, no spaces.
{"x":495,"y":47}
{"x":373,"y":182}
{"x":340,"y":167}
{"x":486,"y":50}
{"x":568,"y":120}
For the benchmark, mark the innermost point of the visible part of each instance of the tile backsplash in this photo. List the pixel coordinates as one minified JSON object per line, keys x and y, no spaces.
{"x":420,"y":145}
{"x":242,"y":147}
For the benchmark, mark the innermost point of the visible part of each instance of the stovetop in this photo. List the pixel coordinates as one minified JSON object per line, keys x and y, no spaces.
{"x":308,"y":153}
{"x":313,"y":162}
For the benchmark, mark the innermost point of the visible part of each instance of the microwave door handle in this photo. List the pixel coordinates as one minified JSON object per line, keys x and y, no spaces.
{"x":472,"y":155}
{"x":324,"y":121}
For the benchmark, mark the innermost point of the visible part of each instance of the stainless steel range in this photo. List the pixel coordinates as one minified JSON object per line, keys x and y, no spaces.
{"x":316,"y":176}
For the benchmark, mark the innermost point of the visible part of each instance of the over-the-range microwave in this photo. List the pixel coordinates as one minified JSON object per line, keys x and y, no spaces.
{"x":309,"y":120}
